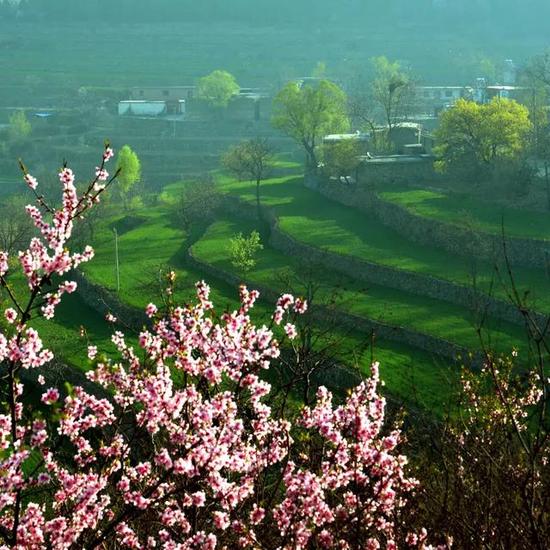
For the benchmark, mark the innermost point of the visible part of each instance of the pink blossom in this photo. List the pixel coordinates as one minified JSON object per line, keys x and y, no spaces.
{"x":290,"y":330}
{"x":11,"y":315}
{"x":31,"y":181}
{"x":151,"y":310}
{"x":50,"y":396}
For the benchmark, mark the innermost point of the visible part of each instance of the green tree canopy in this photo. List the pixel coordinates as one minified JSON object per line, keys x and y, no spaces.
{"x":244,"y":250}
{"x":342,"y":159}
{"x":130,"y":172}
{"x":307,"y":112}
{"x":218,"y":88}
{"x":20,"y":128}
{"x":482,"y":135}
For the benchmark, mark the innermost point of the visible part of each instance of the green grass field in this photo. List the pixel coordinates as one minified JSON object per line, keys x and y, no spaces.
{"x":274,"y":269}
{"x":152,"y":241}
{"x":320,"y":222}
{"x":467,"y":211}
{"x":402,"y":366}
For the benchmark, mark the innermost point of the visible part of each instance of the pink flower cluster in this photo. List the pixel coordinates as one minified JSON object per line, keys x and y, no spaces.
{"x":176,"y":445}
{"x":359,"y":484}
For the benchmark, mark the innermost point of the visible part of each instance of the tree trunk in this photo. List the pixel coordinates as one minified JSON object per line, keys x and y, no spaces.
{"x":547,"y":180}
{"x":258,"y":204}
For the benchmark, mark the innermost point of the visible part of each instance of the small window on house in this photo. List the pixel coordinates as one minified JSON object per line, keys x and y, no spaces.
{"x":141,"y":93}
{"x":448,"y":93}
{"x":165,"y":93}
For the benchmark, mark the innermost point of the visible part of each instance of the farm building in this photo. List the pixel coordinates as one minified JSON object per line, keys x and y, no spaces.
{"x":142,"y":108}
{"x":362,"y":138}
{"x":432,"y":99}
{"x":162,"y":93}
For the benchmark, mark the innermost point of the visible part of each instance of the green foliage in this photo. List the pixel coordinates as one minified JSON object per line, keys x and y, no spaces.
{"x":307,"y":112}
{"x":217,"y":88}
{"x":130,"y":172}
{"x":391,"y":89}
{"x":20,"y":128}
{"x":481,"y":136}
{"x":244,"y":251}
{"x":342,"y":158}
{"x":319,"y":222}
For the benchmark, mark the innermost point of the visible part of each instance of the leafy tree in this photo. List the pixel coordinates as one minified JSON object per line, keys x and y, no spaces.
{"x":19,"y":126}
{"x":391,"y":90}
{"x":129,"y":166}
{"x":250,"y":159}
{"x":481,"y":136}
{"x":244,"y":250}
{"x":307,"y":112}
{"x":341,"y":159}
{"x":217,"y":88}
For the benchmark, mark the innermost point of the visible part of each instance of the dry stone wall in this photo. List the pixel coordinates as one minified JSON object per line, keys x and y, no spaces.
{"x":467,"y":242}
{"x":431,"y":344}
{"x":370,"y":272}
{"x":103,"y":301}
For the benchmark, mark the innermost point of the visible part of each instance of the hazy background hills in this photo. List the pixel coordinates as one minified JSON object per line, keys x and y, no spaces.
{"x":263,"y":42}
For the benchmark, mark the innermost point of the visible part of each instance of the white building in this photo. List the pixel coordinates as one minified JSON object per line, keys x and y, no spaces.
{"x":133,"y":107}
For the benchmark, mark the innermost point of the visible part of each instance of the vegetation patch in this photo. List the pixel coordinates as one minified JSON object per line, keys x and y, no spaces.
{"x":315,"y":220}
{"x":471,"y":213}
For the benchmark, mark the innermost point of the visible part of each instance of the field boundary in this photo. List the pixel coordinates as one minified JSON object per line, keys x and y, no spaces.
{"x":453,"y":238}
{"x":365,"y":271}
{"x":431,"y":344}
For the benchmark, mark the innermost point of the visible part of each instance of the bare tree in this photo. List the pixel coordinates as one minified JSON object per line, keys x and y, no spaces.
{"x":391,"y":90}
{"x":250,"y":159}
{"x":15,"y":226}
{"x":197,"y":203}
{"x":319,"y":354}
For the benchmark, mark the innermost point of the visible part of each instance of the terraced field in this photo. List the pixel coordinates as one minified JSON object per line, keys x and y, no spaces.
{"x":393,"y":307}
{"x":465,"y":211}
{"x":317,"y":221}
{"x":151,"y":241}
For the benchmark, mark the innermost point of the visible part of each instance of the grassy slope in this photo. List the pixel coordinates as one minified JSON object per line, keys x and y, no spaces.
{"x":318,"y":221}
{"x":74,"y":326}
{"x":447,"y":321}
{"x":403,"y":367}
{"x":467,"y":211}
{"x":156,"y":242}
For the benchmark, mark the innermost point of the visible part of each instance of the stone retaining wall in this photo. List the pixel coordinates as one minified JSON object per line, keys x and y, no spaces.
{"x":461,"y":240}
{"x":428,"y":343}
{"x":362,"y":270}
{"x":453,"y":238}
{"x":103,"y":301}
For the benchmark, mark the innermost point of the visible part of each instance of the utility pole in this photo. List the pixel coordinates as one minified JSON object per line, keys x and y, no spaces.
{"x":117,"y":265}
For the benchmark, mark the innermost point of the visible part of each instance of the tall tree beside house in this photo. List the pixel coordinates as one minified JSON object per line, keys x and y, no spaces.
{"x":218,"y":88}
{"x":482,"y":138}
{"x":342,"y":159}
{"x":251,"y":160}
{"x":391,"y":90}
{"x":307,"y":112}
{"x":129,"y":167}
